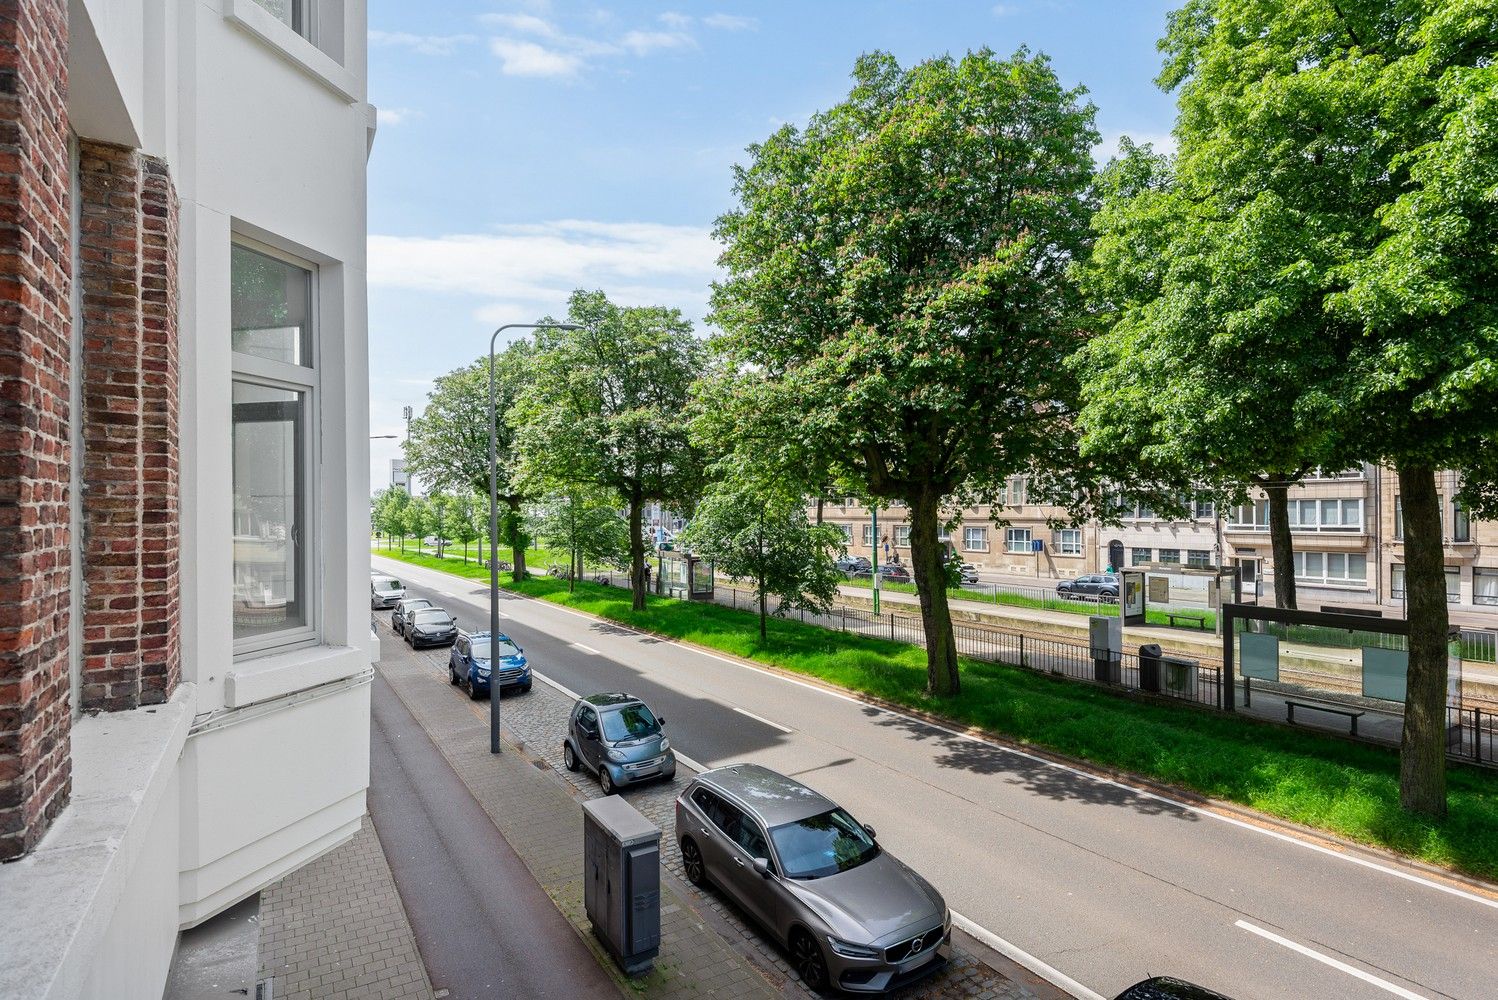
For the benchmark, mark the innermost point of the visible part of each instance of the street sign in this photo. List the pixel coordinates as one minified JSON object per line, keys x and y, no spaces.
{"x":1037,"y":545}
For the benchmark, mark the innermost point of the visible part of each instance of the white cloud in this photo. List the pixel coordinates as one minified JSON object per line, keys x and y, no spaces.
{"x":1005,"y":9}
{"x":427,"y":45}
{"x":397,"y":116}
{"x":519,"y":58}
{"x":525,"y":24}
{"x":730,"y":22}
{"x":676,"y":19}
{"x":519,"y":272}
{"x":645,"y":42}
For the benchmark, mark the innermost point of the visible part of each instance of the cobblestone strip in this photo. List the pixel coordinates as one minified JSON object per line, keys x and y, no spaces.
{"x":539,"y":815}
{"x":536,"y":721}
{"x":335,"y":929}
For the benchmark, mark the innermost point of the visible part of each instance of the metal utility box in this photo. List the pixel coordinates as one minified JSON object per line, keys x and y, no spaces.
{"x":622,"y":881}
{"x":1149,"y":667}
{"x":1106,"y":634}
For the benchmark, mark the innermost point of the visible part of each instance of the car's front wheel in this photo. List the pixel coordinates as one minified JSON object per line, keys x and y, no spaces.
{"x":691,"y":862}
{"x":605,"y":782}
{"x":809,"y":962}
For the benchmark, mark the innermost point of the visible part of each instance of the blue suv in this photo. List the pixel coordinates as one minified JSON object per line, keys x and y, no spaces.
{"x":468,"y":666}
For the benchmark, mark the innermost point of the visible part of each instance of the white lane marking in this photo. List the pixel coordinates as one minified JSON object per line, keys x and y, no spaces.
{"x":689,"y":762}
{"x":585,"y":649}
{"x":761,"y":718}
{"x":547,"y":680}
{"x":1023,"y":958}
{"x":1382,"y":984}
{"x":1196,"y":810}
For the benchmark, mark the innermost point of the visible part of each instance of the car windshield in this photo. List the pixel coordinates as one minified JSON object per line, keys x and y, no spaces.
{"x":822,"y":845}
{"x":388,"y":585}
{"x":432,"y":616}
{"x":504,"y":646}
{"x":632,"y":722}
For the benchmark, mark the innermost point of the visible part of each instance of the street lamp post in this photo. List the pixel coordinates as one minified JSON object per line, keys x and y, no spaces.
{"x":494,"y":526}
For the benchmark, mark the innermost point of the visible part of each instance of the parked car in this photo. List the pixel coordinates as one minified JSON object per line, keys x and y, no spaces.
{"x":891,"y":572}
{"x":619,"y":738}
{"x":430,"y":627}
{"x":469,"y":663}
{"x":1166,"y":988}
{"x":854,"y":564}
{"x":1102,"y":586}
{"x":385,"y":592}
{"x":969,"y":573}
{"x":852,"y":916}
{"x":401,"y":616}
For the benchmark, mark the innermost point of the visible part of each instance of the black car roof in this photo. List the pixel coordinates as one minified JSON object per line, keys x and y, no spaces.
{"x":609,"y":698}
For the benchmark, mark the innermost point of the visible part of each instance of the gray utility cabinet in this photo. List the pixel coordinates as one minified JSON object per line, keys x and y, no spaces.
{"x":622,"y":881}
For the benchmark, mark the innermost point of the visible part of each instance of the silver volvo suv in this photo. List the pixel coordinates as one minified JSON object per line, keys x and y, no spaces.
{"x":851,"y":916}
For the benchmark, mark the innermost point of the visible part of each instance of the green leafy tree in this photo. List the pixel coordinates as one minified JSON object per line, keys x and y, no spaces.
{"x":460,"y":520}
{"x":449,"y":443}
{"x":607,"y":407}
{"x":585,"y":521}
{"x":416,"y":518}
{"x":757,"y":529}
{"x":437,"y":504}
{"x":397,"y":502}
{"x":898,"y":271}
{"x":1351,"y":149}
{"x":379,"y":514}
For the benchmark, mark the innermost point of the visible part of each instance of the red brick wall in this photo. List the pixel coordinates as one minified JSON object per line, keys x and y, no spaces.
{"x":35,"y":775}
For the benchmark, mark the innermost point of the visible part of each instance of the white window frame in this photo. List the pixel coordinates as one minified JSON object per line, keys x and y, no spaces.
{"x":971,"y":532}
{"x":1325,"y":578}
{"x":1478,"y":597}
{"x":867,"y":534}
{"x":1020,"y":536}
{"x":1068,"y":541}
{"x":902,"y":536}
{"x":1317,"y":509}
{"x":305,"y":379}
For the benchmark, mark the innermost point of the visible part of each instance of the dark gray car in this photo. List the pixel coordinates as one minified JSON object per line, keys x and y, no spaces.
{"x":618,"y":738}
{"x":401,"y":616}
{"x":851,"y":915}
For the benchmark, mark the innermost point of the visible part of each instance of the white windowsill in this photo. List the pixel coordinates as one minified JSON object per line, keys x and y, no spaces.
{"x":60,"y":898}
{"x":267,"y":677}
{"x":300,"y":52}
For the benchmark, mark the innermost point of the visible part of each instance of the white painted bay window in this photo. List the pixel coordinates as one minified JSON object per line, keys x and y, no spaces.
{"x":975,"y":538}
{"x":274,"y":406}
{"x":1017,"y":540}
{"x":902,"y":536}
{"x":1335,"y":569}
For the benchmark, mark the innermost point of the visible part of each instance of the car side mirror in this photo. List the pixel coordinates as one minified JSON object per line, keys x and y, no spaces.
{"x":762,"y":866}
{"x":870,"y":831}
{"x":660,"y":720}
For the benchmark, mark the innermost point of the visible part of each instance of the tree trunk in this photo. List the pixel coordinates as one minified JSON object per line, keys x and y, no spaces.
{"x":636,"y":552}
{"x":517,"y":544}
{"x":931,"y":585}
{"x":820,"y":501}
{"x":574,"y":568}
{"x":1422,"y":748}
{"x":762,"y":601}
{"x":1281,"y":545}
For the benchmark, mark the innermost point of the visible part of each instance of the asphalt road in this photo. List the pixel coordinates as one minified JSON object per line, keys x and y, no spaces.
{"x":475,"y":908}
{"x":1099,"y":882}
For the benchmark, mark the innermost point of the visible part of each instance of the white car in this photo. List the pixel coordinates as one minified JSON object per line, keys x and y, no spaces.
{"x":385,"y":591}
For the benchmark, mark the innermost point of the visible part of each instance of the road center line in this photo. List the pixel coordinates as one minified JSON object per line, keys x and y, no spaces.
{"x":761,"y":718}
{"x":585,"y":649}
{"x":1357,"y":973}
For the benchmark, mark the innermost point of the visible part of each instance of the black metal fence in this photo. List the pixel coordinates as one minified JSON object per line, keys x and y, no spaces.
{"x":1472,"y":734}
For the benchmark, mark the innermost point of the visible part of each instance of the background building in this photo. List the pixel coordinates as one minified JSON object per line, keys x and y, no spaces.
{"x":184,"y":641}
{"x":398,"y":475}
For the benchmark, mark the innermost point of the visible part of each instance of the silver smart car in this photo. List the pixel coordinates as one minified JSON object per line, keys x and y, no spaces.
{"x":852,"y":917}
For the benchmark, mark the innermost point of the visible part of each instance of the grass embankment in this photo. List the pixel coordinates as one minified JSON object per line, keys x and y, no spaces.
{"x":1346,"y":788}
{"x":1153,"y":616}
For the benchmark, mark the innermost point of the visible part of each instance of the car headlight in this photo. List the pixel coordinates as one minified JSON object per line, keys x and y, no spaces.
{"x":848,"y":949}
{"x":665,"y":744}
{"x":618,"y":756}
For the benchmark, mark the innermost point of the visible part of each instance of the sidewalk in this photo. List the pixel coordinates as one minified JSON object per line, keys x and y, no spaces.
{"x":707,"y":948}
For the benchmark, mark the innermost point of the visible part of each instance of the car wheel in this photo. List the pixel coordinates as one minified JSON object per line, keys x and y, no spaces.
{"x":605,"y":782}
{"x":452,"y":675}
{"x":525,"y":688}
{"x":809,"y":962}
{"x":473,"y":690}
{"x":569,"y":759}
{"x":691,"y":863}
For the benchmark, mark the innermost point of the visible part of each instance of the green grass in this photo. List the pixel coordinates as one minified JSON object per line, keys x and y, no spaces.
{"x":1153,"y":616}
{"x":1346,"y":788}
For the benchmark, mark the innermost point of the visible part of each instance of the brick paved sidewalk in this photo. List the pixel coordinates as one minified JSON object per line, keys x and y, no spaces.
{"x":336,"y":930}
{"x":708,"y":947}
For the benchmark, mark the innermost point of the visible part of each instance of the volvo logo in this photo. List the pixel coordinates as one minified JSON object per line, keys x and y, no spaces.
{"x":916,"y":942}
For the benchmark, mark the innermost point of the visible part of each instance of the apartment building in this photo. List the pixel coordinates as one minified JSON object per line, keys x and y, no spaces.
{"x":184,"y":643}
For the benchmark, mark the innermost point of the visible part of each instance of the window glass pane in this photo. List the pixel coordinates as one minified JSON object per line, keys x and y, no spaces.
{"x":1313,"y":564}
{"x":1396,"y":580}
{"x":1485,"y":586}
{"x":271,"y":308}
{"x":1336,"y":565}
{"x":1357,"y":568}
{"x":292,"y":13}
{"x":1170,"y":556}
{"x":1453,"y":585}
{"x":270,"y":566}
{"x":1142,"y":556}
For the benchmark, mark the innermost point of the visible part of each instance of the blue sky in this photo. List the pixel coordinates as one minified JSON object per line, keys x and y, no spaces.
{"x":529,"y":147}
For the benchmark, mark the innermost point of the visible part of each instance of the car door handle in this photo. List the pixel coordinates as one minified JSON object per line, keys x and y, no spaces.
{"x":739,"y":862}
{"x":706,"y":832}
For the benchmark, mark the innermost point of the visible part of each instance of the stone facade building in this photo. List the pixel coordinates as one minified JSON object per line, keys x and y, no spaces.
{"x":184,"y":649}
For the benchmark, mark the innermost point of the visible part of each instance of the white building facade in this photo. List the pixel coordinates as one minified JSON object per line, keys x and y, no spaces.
{"x":186,"y":706}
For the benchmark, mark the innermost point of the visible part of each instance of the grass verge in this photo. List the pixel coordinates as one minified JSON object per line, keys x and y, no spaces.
{"x":1153,"y":616}
{"x":1346,"y":788}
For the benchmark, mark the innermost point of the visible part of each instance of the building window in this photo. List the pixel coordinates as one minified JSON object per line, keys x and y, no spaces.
{"x":1461,"y":523}
{"x":1326,"y":515}
{"x":1199,"y":558}
{"x":1399,"y":520}
{"x":847,"y":532}
{"x":1016,"y":491}
{"x":1140,"y":557}
{"x":1485,"y":586}
{"x":902,"y":536}
{"x":1017,"y":540}
{"x":1453,"y":585}
{"x":273,"y":402}
{"x":1250,"y":516}
{"x":868,"y":535}
{"x":1170,"y":557}
{"x":1204,"y":510}
{"x":295,"y":14}
{"x":975,"y":539}
{"x":1347,"y":569}
{"x":1069,"y":541}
